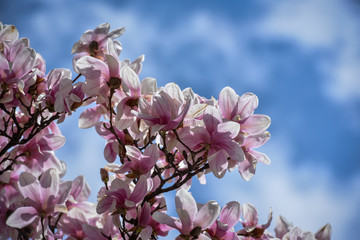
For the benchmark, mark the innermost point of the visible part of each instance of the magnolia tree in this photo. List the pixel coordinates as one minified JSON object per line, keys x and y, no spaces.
{"x":157,"y":140}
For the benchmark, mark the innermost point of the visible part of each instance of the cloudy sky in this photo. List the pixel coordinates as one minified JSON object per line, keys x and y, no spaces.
{"x":301,"y":57}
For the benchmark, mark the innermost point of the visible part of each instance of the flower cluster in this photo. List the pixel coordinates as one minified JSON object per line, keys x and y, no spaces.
{"x":157,"y":140}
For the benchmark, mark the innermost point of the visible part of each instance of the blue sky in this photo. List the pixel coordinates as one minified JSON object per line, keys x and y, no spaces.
{"x":302,"y":59}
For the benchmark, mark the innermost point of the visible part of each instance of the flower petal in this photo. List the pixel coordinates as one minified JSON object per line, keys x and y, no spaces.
{"x":184,"y":200}
{"x":256,"y":124}
{"x":218,"y":163}
{"x":22,"y":217}
{"x":228,"y":100}
{"x":207,"y":214}
{"x":230,"y":213}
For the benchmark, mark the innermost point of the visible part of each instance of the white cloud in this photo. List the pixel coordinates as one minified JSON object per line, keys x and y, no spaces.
{"x":324,"y":24}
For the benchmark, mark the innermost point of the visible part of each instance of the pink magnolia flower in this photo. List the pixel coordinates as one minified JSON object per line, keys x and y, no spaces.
{"x":193,"y":221}
{"x":299,"y":234}
{"x":43,"y":198}
{"x":132,"y":89}
{"x":100,"y":76}
{"x":38,"y":154}
{"x":120,"y":197}
{"x":139,"y":164}
{"x":15,"y":73}
{"x":253,"y":230}
{"x":217,"y":138}
{"x":8,"y":34}
{"x":111,"y":150}
{"x":222,"y":229}
{"x":61,"y":94}
{"x":241,"y":109}
{"x":166,"y":110}
{"x":98,"y":42}
{"x":247,"y":168}
{"x":286,"y":231}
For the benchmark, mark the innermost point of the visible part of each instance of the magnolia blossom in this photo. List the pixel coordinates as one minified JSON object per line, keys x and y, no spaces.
{"x":121,"y":197}
{"x":222,"y":229}
{"x":14,"y":74}
{"x":96,"y":42}
{"x":253,"y":230}
{"x":247,"y":168}
{"x":166,"y":110}
{"x":253,"y":127}
{"x":216,"y":138}
{"x":42,"y":198}
{"x":61,"y":94}
{"x":138,"y":163}
{"x":192,"y":220}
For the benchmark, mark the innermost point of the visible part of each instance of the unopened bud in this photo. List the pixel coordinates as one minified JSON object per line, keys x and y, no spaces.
{"x":104,"y":175}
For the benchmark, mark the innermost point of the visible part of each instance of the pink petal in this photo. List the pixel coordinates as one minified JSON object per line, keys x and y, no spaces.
{"x":24,"y":62}
{"x":230,"y":214}
{"x":51,"y":142}
{"x":17,"y":47}
{"x":136,"y":65}
{"x":256,"y":140}
{"x":184,"y":200}
{"x":233,"y":128}
{"x":92,"y":68}
{"x":218,"y":163}
{"x":92,"y":233}
{"x":228,"y":100}
{"x":9,"y":33}
{"x":248,"y":102}
{"x":148,"y":85}
{"x":29,"y":187}
{"x":109,"y":153}
{"x":140,"y":190}
{"x":150,"y":156}
{"x":261,"y":157}
{"x":102,"y":29}
{"x":64,"y":192}
{"x":324,"y":233}
{"x":4,"y":64}
{"x":166,"y":219}
{"x":146,"y":232}
{"x":233,"y":149}
{"x":256,"y":124}
{"x":89,"y":117}
{"x":133,"y":153}
{"x":250,"y":216}
{"x":114,"y":66}
{"x":144,"y":215}
{"x":246,"y":169}
{"x":207,"y":215}
{"x":131,"y":79}
{"x":174,"y":91}
{"x":22,"y":217}
{"x":186,"y":221}
{"x":80,"y":190}
{"x":107,"y":203}
{"x":282,"y":227}
{"x":211,"y":118}
{"x":49,"y":182}
{"x":116,"y":33}
{"x":163,"y":106}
